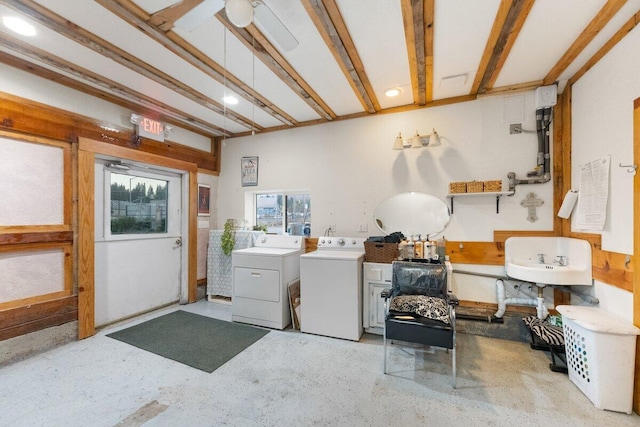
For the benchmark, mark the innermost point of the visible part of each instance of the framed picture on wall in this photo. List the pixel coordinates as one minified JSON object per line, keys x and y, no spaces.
{"x":204,"y":200}
{"x":249,"y":171}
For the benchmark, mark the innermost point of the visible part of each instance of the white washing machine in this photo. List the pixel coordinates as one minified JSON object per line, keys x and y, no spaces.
{"x":331,"y":288}
{"x":261,"y":278}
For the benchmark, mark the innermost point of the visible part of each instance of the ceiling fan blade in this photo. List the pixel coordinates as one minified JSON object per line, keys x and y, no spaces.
{"x":196,"y":16}
{"x":270,"y":22}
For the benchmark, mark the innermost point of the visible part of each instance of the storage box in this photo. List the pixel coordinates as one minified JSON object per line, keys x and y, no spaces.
{"x":457,"y":187}
{"x":493,"y":186}
{"x":475,"y":187}
{"x":600,"y":350}
{"x":380,"y":252}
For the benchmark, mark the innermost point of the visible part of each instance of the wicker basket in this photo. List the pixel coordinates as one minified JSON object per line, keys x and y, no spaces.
{"x":493,"y":186}
{"x":475,"y":187}
{"x":380,"y":252}
{"x":457,"y":187}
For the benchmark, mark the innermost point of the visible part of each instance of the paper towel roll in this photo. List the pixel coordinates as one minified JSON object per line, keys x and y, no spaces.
{"x":568,"y":203}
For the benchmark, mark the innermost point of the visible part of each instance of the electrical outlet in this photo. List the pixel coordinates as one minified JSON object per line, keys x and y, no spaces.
{"x":515,"y":128}
{"x":332,"y":228}
{"x":364,"y":228}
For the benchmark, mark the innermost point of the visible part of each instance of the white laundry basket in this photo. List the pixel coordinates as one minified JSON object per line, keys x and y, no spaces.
{"x":600,"y":350}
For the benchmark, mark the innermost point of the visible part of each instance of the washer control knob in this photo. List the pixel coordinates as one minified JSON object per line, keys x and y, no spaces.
{"x":329,"y":241}
{"x":341,"y":242}
{"x":264,"y":240}
{"x":353,"y":242}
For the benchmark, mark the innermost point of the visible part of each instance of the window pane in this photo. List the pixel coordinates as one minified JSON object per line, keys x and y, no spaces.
{"x":269,"y":212}
{"x":299,"y":214}
{"x":138,"y":204}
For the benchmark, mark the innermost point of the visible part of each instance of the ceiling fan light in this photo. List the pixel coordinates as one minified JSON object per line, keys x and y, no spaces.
{"x":239,"y":12}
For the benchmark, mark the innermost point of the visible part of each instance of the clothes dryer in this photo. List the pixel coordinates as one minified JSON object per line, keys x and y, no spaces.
{"x":331,"y":288}
{"x":261,"y":278}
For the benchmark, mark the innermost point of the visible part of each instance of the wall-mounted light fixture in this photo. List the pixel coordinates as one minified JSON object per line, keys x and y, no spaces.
{"x":417,"y":141}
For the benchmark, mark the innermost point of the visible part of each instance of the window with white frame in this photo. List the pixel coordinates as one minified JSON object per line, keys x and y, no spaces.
{"x":138,"y":204}
{"x":282,"y":213}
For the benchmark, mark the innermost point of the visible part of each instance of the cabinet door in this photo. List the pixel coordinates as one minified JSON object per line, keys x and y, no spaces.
{"x":376,"y":305}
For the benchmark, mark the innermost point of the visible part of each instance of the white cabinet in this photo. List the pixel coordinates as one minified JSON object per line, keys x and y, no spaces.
{"x":376,"y":278}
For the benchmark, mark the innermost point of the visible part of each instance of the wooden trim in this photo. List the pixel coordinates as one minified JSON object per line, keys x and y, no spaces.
{"x":594,"y":27}
{"x":487,"y":306}
{"x":86,"y":244}
{"x":39,"y":246}
{"x":26,"y":116}
{"x":636,"y":249}
{"x":36,"y":299}
{"x":130,"y":154}
{"x":500,"y":236}
{"x":45,"y":237}
{"x":36,"y":316}
{"x":619,"y":35}
{"x":23,"y":229}
{"x":566,"y":147}
{"x":192,"y":275}
{"x":487,"y":253}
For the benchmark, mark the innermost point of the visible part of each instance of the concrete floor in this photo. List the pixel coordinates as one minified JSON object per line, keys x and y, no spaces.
{"x":290,"y":378}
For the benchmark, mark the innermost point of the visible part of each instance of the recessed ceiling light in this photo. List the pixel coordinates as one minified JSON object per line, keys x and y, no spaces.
{"x":392,"y":92}
{"x":19,"y":25}
{"x":231,"y":100}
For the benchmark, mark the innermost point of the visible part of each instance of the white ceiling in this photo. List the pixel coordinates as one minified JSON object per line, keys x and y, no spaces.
{"x":161,"y":73}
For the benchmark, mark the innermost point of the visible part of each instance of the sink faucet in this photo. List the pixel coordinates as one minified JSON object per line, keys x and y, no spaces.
{"x":561,"y":260}
{"x":541,"y":258}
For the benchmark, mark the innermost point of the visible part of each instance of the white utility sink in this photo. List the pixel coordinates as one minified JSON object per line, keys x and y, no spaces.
{"x":549,"y":260}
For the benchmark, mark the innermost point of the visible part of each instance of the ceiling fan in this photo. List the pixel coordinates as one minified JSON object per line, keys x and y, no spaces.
{"x":241,"y":13}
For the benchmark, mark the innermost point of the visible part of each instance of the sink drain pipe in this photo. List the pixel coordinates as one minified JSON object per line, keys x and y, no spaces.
{"x":477,"y":317}
{"x":538,"y":302}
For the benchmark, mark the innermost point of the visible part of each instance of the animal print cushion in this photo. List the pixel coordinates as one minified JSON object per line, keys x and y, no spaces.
{"x":422,"y":305}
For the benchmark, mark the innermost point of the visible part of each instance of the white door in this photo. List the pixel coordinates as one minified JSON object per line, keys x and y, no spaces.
{"x":138,"y":241}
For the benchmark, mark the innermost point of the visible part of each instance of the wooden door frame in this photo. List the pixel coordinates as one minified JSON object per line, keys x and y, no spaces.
{"x":88,"y":149}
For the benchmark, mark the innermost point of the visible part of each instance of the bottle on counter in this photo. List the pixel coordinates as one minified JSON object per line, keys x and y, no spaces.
{"x":411,"y":248}
{"x":402,"y":248}
{"x":419,"y":248}
{"x":441,"y":248}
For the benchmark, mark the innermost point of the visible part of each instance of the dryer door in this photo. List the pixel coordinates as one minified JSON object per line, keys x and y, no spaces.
{"x":258,"y":284}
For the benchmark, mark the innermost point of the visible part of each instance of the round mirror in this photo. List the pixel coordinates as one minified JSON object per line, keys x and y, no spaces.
{"x":412,"y":214}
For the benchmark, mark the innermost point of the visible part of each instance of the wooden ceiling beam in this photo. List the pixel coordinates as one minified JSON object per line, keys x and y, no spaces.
{"x":509,"y":21}
{"x":166,"y":18}
{"x":413,"y":20}
{"x":619,"y":35}
{"x":327,"y":18}
{"x":140,"y":105}
{"x":596,"y":25}
{"x":429,"y":12}
{"x":130,"y":13}
{"x":81,"y":36}
{"x":269,"y":55}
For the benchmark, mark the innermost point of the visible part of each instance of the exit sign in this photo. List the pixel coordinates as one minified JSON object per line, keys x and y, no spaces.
{"x":148,"y":128}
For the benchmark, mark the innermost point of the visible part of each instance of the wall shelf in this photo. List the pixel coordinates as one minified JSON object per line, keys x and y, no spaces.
{"x":496,"y":194}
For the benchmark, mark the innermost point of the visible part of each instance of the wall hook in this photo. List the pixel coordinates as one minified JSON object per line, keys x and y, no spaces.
{"x":631,"y":168}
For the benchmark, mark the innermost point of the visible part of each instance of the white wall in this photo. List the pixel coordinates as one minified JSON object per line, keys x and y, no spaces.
{"x":602,"y":109}
{"x":349,"y":168}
